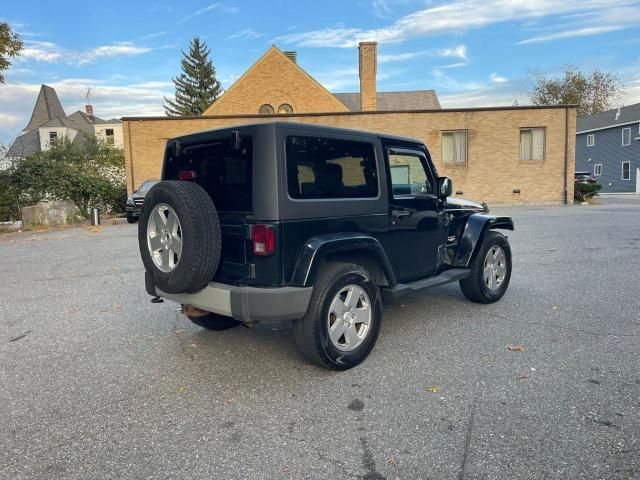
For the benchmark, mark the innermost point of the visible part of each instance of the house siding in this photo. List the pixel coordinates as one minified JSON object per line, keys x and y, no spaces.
{"x":609,"y":152}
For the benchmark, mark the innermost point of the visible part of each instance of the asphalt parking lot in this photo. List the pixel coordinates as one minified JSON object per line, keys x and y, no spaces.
{"x":98,"y":383}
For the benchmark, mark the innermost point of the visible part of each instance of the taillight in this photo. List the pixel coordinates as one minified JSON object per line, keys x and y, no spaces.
{"x":264,"y":240}
{"x":187,"y":175}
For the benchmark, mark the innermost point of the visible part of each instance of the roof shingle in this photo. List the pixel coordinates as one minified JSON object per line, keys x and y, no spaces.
{"x":391,"y":101}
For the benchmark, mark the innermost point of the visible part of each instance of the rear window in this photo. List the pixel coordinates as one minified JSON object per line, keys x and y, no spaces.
{"x":330,"y":168}
{"x":224,"y":172}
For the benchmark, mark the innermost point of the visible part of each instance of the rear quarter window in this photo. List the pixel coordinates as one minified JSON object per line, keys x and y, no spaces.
{"x":320,"y":168}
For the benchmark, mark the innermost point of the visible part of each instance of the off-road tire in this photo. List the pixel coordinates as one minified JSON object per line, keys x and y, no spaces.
{"x":201,"y":236}
{"x":474,"y":287}
{"x":216,"y":322}
{"x":132,"y":219}
{"x":311,"y":332}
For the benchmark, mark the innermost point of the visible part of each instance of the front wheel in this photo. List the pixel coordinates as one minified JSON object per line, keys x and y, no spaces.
{"x":490,"y":270}
{"x":342,"y":322}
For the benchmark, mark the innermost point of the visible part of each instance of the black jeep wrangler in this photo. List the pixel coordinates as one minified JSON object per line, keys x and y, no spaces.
{"x":320,"y":225}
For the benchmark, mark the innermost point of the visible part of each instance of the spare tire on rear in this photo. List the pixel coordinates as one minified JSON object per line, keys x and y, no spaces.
{"x":179,"y":236}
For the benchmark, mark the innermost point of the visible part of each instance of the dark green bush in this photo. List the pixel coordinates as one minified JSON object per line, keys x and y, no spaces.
{"x":584,"y":191}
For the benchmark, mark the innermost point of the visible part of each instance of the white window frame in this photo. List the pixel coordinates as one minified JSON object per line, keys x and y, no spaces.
{"x":466,"y":146}
{"x":622,"y":170}
{"x":597,"y":171}
{"x":591,"y":139}
{"x":628,"y":129}
{"x":544,"y":144}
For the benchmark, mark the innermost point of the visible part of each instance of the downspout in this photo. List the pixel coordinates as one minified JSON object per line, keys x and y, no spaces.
{"x":566,"y":154}
{"x":130,"y":154}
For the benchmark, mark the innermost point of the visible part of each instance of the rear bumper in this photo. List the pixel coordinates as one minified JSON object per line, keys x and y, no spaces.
{"x":245,"y":304}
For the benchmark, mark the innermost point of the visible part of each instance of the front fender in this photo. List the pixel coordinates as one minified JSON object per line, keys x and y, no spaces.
{"x":474,"y":231}
{"x":316,"y":249}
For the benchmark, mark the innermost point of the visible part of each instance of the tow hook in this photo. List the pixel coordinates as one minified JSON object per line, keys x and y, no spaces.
{"x":157,"y":300}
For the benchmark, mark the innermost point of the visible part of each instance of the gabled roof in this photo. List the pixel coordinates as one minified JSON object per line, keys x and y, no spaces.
{"x":599,"y":121}
{"x":395,"y":101}
{"x":47,"y":108}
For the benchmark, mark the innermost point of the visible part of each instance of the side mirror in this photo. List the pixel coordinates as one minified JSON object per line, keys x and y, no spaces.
{"x":445,"y":187}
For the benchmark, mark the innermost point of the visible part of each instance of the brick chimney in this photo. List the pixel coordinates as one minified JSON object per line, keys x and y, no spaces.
{"x":368,"y":53}
{"x":88,"y":109}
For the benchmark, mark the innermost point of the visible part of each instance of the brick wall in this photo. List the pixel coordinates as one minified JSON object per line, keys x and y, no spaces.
{"x":492,"y":172}
{"x":274,"y":79}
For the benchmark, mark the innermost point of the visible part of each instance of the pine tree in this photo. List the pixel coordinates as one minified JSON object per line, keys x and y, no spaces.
{"x":197,"y":86}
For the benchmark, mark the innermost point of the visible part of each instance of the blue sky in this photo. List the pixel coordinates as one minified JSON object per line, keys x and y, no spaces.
{"x":472,"y":52}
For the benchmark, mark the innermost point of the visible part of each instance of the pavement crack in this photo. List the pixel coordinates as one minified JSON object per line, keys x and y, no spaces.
{"x":467,"y":441}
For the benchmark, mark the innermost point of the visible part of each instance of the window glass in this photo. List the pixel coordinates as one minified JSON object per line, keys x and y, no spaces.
{"x":224,"y":172}
{"x":591,"y":140}
{"x":454,"y":147}
{"x":626,"y":137}
{"x":109,"y":136}
{"x":285,"y":108}
{"x":330,"y":168}
{"x":597,"y":169}
{"x":266,"y":109}
{"x":408,"y":175}
{"x":626,"y":171}
{"x":532,"y":144}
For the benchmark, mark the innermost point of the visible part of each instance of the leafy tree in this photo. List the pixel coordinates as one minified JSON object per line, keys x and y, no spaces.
{"x":10,"y":46}
{"x":89,"y":173}
{"x":196,"y":87}
{"x":593,"y":92}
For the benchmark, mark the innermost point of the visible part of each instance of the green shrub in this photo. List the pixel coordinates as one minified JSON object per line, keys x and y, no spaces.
{"x":584,"y":191}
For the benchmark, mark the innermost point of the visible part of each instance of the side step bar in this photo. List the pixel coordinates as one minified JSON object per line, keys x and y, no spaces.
{"x":402,"y":289}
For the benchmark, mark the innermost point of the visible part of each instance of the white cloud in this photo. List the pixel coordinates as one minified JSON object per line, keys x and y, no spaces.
{"x":580,"y":32}
{"x":247,"y":33}
{"x":495,"y":78}
{"x":455,"y":52}
{"x":452,"y":65}
{"x":49,"y":52}
{"x":214,"y":7}
{"x":152,"y":35}
{"x":460,"y":15}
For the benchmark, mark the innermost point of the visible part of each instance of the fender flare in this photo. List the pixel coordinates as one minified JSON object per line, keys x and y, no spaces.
{"x":316,"y":249}
{"x":473,"y":234}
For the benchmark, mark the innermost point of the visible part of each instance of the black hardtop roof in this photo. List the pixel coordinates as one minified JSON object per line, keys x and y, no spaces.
{"x":299,"y":126}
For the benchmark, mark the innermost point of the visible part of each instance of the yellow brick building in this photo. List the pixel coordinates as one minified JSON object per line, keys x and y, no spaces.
{"x":502,"y":155}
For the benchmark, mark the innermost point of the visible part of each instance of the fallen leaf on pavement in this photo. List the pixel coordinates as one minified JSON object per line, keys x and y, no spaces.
{"x":182,"y":389}
{"x":522,"y":375}
{"x":433,"y":389}
{"x":516,"y":348}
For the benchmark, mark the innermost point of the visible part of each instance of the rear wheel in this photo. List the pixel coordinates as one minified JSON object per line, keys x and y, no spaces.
{"x":342,"y":322}
{"x":212,"y":321}
{"x":490,"y":270}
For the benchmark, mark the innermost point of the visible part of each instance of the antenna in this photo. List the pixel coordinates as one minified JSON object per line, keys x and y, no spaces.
{"x":86,"y":97}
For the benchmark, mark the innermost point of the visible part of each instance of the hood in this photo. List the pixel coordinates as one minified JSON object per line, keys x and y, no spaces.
{"x":459,"y":204}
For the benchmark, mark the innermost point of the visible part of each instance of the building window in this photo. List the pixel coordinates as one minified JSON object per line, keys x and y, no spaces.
{"x":109,"y":136}
{"x":266,"y":109}
{"x":330,"y":168}
{"x":597,"y":170}
{"x":626,"y":170}
{"x":591,"y":140}
{"x":626,"y":137}
{"x":285,"y":108}
{"x":532,"y":143}
{"x":53,"y":138}
{"x":454,"y":147}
